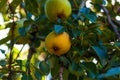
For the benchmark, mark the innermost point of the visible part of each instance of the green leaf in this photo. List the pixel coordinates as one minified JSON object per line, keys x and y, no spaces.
{"x":44,"y":67}
{"x":4,"y":40}
{"x":3,"y":51}
{"x":55,"y":70}
{"x":15,"y":3}
{"x":112,"y":78}
{"x":38,"y":75}
{"x":90,"y":68}
{"x":22,"y":64}
{"x":75,"y":69}
{"x":53,"y":62}
{"x":117,"y":44}
{"x":1,"y":75}
{"x":76,"y":33}
{"x":86,"y":12}
{"x":59,"y":29}
{"x":3,"y":62}
{"x":110,"y":72}
{"x":22,"y":31}
{"x":28,"y":22}
{"x":37,"y":43}
{"x":96,"y":7}
{"x":2,"y":4}
{"x":64,"y":60}
{"x":98,"y":2}
{"x":26,"y":77}
{"x":115,"y":63}
{"x":72,"y":76}
{"x":99,"y":31}
{"x":65,"y":74}
{"x":19,"y":62}
{"x":91,"y":17}
{"x":101,"y":53}
{"x":33,"y":7}
{"x":2,"y":27}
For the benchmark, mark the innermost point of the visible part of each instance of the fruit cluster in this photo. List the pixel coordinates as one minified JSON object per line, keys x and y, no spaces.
{"x":57,"y":44}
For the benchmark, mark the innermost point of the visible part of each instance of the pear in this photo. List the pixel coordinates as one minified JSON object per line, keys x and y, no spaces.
{"x":55,"y":9}
{"x":58,"y":44}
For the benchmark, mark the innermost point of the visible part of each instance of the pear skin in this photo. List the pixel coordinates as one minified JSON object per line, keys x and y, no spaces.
{"x":55,"y":9}
{"x":58,"y":44}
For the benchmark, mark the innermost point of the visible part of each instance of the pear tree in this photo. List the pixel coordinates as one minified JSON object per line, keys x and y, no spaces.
{"x":65,"y":39}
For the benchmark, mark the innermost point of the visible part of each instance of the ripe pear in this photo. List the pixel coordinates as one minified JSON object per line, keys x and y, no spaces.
{"x":55,"y":9}
{"x":58,"y":44}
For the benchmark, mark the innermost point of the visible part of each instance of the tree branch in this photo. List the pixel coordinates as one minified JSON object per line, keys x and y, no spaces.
{"x":30,"y":54}
{"x":61,"y":72}
{"x":32,"y":50}
{"x":41,"y":38}
{"x":19,"y":53}
{"x":116,"y":22}
{"x":81,"y":6}
{"x":12,"y":41}
{"x":111,"y":23}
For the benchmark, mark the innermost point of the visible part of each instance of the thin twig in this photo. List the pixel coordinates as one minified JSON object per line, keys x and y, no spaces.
{"x":41,"y":38}
{"x":13,"y":71}
{"x":111,"y":23}
{"x":19,"y":53}
{"x":81,"y":6}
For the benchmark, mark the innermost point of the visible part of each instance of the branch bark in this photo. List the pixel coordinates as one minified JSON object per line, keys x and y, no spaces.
{"x":41,"y":38}
{"x":81,"y":6}
{"x":32,"y":50}
{"x":116,"y":22}
{"x":11,"y":42}
{"x":111,"y":22}
{"x":61,"y":72}
{"x":30,"y":54}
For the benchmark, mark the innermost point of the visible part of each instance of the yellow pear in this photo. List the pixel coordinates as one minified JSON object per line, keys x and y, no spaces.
{"x":58,"y":44}
{"x":57,"y":9}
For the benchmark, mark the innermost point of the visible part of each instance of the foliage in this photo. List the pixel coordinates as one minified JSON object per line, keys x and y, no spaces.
{"x":95,"y":50}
